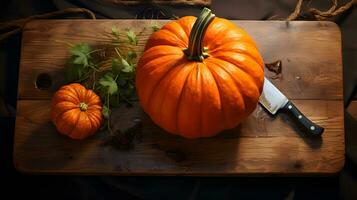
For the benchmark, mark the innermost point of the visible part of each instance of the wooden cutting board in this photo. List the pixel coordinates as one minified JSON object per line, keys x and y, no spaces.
{"x":263,"y":144}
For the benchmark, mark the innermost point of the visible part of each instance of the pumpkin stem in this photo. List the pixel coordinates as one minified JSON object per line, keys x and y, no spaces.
{"x":195,"y":50}
{"x":83,"y":106}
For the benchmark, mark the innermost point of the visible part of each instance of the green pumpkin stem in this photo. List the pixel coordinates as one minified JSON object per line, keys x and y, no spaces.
{"x":83,"y":106}
{"x":195,"y":50}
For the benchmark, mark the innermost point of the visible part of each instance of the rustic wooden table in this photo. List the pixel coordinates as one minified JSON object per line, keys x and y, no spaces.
{"x":261,"y":145}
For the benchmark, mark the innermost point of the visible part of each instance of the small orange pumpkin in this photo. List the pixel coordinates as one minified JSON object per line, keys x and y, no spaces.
{"x":200,"y":76}
{"x":76,"y":111}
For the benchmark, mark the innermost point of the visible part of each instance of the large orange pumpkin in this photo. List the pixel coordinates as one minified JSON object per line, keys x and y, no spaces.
{"x":76,"y":111}
{"x":200,"y":76}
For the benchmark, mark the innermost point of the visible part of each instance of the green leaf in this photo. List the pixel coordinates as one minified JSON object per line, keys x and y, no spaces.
{"x":115,"y":31}
{"x":82,"y":48}
{"x":126,"y":67}
{"x":131,"y":56}
{"x":80,"y":60}
{"x":106,"y":112}
{"x":121,"y":65}
{"x":132,"y":37}
{"x":108,"y":81}
{"x":121,"y":80}
{"x":116,"y":66}
{"x":80,"y":53}
{"x":155,"y":27}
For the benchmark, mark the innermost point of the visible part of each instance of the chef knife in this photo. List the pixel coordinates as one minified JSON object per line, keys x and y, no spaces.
{"x":273,"y":100}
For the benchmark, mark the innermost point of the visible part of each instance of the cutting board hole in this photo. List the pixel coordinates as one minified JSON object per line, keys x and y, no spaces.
{"x":43,"y":81}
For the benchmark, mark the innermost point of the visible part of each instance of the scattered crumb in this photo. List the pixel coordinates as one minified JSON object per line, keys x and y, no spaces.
{"x":275,"y":67}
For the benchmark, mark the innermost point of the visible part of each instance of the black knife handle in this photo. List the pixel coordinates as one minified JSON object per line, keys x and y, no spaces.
{"x":310,"y":127}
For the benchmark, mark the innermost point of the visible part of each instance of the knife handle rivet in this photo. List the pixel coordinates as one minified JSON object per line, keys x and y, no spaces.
{"x":312,"y":128}
{"x":299,"y":116}
{"x":290,"y":107}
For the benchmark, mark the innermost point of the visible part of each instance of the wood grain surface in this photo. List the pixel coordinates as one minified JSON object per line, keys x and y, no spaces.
{"x":263,"y":144}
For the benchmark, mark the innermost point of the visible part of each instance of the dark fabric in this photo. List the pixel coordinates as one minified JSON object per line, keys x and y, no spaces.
{"x":98,"y":187}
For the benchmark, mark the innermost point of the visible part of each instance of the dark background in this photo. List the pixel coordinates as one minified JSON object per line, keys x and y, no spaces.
{"x":339,"y":186}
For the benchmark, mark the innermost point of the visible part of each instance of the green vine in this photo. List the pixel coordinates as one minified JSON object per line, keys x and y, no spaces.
{"x":109,"y":69}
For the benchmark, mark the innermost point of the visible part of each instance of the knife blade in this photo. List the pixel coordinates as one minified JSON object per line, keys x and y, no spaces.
{"x":273,"y":100}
